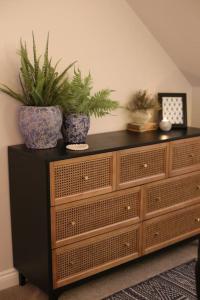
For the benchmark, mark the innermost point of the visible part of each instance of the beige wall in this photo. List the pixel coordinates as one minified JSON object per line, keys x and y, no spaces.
{"x":196,"y":106}
{"x":175,"y":24}
{"x":107,"y":38}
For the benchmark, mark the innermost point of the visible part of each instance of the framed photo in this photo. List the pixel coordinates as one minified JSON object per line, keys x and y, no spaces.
{"x":174,"y":108}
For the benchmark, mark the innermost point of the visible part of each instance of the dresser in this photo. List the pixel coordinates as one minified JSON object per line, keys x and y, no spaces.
{"x":75,"y":214}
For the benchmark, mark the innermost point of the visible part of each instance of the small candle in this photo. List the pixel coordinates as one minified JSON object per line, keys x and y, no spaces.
{"x":165,"y":125}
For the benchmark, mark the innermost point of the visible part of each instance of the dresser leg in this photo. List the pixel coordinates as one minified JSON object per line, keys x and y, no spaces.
{"x":53,"y":296}
{"x":22,"y":279}
{"x":198,"y":279}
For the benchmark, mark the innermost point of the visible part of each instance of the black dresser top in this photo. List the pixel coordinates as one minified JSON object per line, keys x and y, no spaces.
{"x":109,"y":141}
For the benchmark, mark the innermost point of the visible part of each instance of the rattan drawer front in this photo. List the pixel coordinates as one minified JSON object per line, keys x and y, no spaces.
{"x":173,"y":227}
{"x":171,"y":194}
{"x":141,"y":165}
{"x":184,"y":156}
{"x":79,"y":260}
{"x":79,"y":178}
{"x":81,"y":219}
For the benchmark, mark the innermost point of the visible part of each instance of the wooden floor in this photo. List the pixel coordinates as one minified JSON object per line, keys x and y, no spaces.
{"x":117,"y":279}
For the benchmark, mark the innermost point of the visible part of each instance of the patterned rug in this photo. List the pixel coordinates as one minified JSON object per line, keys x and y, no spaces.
{"x":175,"y":284}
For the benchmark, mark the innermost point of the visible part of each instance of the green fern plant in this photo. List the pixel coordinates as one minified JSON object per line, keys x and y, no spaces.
{"x":79,"y":100}
{"x":41,"y":83}
{"x":143,"y":101}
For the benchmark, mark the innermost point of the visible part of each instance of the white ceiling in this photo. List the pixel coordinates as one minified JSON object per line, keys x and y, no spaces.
{"x":176,"y":25}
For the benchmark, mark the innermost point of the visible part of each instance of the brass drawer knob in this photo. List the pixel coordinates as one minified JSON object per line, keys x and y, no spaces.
{"x":127,"y":244}
{"x":86,"y":177}
{"x":156,"y":234}
{"x":128,"y":207}
{"x":73,"y":223}
{"x":145,"y":165}
{"x":197,"y":220}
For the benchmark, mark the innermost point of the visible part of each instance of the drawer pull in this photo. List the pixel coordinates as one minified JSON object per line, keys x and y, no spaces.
{"x":127,"y":244}
{"x":198,"y":187}
{"x":73,"y":223}
{"x":156,"y":234}
{"x":86,"y":177}
{"x":197,"y":220}
{"x":145,"y":165}
{"x":191,"y":155}
{"x":71,"y":263}
{"x":128,"y":207}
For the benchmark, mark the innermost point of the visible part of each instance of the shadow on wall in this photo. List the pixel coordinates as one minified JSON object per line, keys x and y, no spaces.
{"x":5,"y":226}
{"x":9,"y":130}
{"x":9,"y":135}
{"x":192,"y":78}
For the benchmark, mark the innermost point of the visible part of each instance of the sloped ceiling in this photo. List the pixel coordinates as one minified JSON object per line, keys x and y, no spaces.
{"x":176,"y":25}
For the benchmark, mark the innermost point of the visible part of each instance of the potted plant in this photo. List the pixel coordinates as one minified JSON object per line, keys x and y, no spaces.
{"x":141,"y":107}
{"x":43,"y":90}
{"x":80,"y":104}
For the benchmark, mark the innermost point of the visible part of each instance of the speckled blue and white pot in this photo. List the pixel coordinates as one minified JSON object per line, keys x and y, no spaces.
{"x":75,"y":128}
{"x":40,"y":126}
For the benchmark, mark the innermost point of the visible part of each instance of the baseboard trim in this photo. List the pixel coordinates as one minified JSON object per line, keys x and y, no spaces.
{"x":8,"y":278}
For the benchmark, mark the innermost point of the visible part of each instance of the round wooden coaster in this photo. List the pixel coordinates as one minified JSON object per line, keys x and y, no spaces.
{"x":77,"y":147}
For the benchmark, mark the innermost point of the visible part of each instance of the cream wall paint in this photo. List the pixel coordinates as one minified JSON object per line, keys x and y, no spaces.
{"x":107,"y":38}
{"x":196,"y":106}
{"x":175,"y":24}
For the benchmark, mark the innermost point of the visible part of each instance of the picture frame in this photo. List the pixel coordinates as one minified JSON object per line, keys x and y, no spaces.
{"x":174,"y":108}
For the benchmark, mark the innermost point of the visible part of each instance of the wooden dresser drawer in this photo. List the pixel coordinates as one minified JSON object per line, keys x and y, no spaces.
{"x":84,"y":218}
{"x":83,"y":177}
{"x":82,"y":259}
{"x":141,"y":165}
{"x":171,"y":194}
{"x":170,"y":228}
{"x":184,"y":156}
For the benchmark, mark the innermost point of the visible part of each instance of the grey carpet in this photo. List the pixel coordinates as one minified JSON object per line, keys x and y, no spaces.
{"x":175,"y":284}
{"x":116,"y":279}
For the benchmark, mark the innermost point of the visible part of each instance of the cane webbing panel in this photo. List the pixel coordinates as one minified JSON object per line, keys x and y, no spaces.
{"x":88,"y":256}
{"x":185,"y":154}
{"x":171,"y":192}
{"x":82,"y":176}
{"x":175,"y":224}
{"x":94,"y":214}
{"x":142,"y":164}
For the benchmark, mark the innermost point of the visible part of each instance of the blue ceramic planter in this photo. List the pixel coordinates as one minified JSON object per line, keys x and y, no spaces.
{"x":40,"y":126}
{"x":75,"y":128}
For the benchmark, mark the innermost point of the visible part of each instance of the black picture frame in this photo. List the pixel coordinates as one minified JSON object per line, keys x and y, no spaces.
{"x":162,"y":97}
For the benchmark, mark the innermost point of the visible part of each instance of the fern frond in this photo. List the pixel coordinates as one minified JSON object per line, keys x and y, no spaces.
{"x":101,"y":104}
{"x":79,"y":99}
